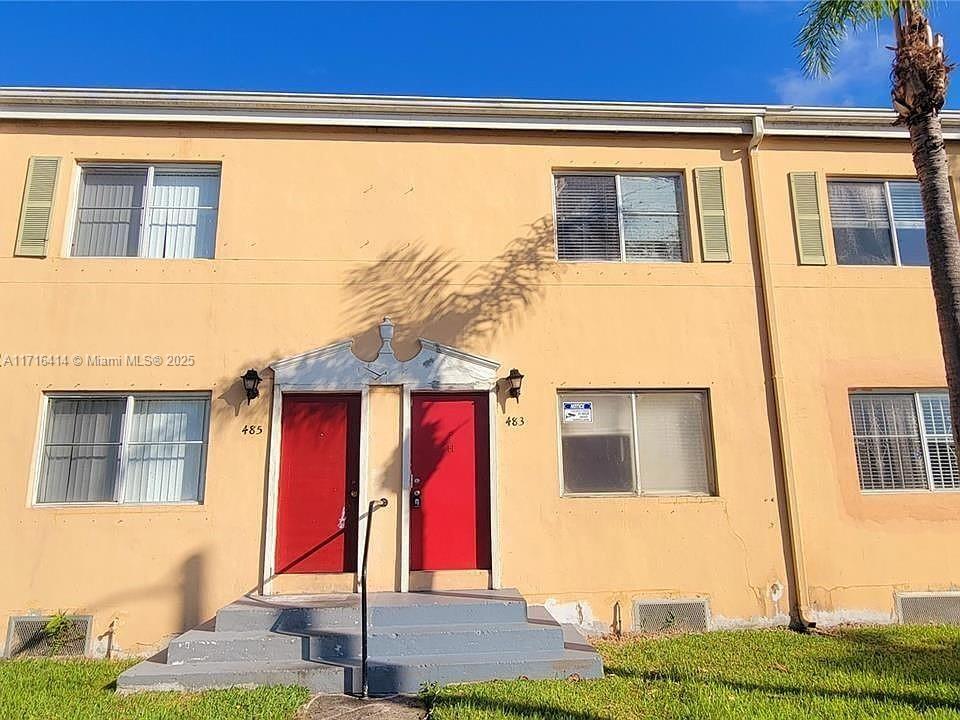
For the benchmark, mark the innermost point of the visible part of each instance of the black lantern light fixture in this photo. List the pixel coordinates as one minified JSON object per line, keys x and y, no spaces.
{"x":514,"y":381}
{"x":251,"y":380}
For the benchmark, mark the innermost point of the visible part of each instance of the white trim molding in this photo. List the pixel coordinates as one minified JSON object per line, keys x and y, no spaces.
{"x":137,"y":105}
{"x":336,"y":369}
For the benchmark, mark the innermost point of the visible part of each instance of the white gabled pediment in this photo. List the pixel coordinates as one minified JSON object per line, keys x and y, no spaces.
{"x":336,"y":367}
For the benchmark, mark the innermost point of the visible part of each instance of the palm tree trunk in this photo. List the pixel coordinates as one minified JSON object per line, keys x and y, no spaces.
{"x":930,"y":159}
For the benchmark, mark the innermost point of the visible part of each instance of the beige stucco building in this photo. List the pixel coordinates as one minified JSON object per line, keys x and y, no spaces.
{"x":732,"y":381}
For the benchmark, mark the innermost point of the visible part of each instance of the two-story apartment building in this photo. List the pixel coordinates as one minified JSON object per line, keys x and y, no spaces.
{"x":732,"y":399}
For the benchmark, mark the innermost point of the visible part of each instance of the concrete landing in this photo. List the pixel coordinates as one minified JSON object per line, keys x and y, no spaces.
{"x":414,"y":638}
{"x":344,"y":707}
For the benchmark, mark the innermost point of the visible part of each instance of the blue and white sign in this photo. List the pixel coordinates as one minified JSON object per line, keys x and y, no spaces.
{"x":578,"y":412}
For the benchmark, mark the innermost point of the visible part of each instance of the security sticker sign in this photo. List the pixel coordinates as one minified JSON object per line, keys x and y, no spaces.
{"x":578,"y":412}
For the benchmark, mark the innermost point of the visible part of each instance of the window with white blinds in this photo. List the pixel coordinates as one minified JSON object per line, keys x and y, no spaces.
{"x":878,"y":222}
{"x":648,"y":443}
{"x":904,"y":441}
{"x":148,"y":211}
{"x":123,"y":449}
{"x":620,"y":218}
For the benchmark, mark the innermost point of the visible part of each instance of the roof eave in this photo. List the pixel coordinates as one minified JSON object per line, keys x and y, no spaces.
{"x":120,"y":105}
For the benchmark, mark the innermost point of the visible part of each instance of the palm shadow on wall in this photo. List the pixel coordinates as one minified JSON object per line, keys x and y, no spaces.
{"x":431,"y":293}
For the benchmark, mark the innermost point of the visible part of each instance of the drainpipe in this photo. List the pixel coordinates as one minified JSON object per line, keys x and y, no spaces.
{"x":799,"y":602}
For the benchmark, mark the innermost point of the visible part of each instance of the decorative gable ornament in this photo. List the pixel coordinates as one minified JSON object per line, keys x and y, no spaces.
{"x":336,"y":368}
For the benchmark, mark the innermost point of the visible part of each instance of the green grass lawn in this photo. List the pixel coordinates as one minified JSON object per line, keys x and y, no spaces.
{"x":83,"y":690}
{"x":891,"y":672}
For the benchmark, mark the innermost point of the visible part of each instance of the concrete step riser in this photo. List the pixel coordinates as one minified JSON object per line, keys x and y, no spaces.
{"x":477,"y":613}
{"x":485,"y":639}
{"x":318,"y":679}
{"x":306,"y":619}
{"x":389,"y":679}
{"x":269,"y":647}
{"x":292,"y":620}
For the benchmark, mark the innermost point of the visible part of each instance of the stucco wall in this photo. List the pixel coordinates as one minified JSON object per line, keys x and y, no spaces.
{"x":321,"y":233}
{"x":842,"y":329}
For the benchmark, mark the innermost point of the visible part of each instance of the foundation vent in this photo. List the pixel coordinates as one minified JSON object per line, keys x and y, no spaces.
{"x":43,"y":636}
{"x":670,"y":615}
{"x":929,"y":608}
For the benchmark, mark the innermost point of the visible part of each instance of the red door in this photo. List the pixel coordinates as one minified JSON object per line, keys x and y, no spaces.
{"x":450,"y":530}
{"x":319,"y":479}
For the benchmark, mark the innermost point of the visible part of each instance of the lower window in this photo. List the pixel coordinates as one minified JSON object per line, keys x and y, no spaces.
{"x":650,"y":443}
{"x":904,"y":441}
{"x":123,"y":449}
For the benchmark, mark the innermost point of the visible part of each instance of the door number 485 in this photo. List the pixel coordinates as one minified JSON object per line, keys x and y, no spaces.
{"x":252,"y":430}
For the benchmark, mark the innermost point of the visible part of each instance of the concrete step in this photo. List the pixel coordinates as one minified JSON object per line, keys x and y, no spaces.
{"x":386,"y":610}
{"x":478,"y":607}
{"x":390,"y":675}
{"x":315,"y":676}
{"x":230,"y":645}
{"x":251,"y":615}
{"x":449,"y":638}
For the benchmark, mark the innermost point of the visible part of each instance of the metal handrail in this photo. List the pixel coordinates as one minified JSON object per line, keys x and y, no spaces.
{"x":374,"y":504}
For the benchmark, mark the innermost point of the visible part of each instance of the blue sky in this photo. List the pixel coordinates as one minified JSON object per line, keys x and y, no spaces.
{"x":655,"y":51}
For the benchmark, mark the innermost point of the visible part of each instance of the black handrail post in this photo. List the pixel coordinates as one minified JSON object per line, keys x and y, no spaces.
{"x":374,"y":504}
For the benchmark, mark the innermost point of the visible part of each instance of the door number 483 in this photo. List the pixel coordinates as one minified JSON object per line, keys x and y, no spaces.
{"x":515,"y":421}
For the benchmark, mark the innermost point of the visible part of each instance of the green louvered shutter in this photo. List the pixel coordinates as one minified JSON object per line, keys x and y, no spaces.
{"x":37,"y":207}
{"x":806,"y":218}
{"x":713,"y":215}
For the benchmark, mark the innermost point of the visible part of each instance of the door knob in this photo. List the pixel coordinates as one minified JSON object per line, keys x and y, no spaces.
{"x":354,"y":493}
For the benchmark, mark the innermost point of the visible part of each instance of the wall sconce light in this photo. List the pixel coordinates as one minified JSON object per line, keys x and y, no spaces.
{"x":251,"y":380}
{"x":514,"y":381}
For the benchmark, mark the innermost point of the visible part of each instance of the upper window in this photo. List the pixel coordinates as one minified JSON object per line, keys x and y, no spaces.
{"x":878,"y":222}
{"x":123,"y":449}
{"x":651,"y":443}
{"x":620,"y":217}
{"x":148,"y":211}
{"x":904,"y":441}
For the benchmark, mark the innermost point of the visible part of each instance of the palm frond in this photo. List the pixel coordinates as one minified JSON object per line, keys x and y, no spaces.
{"x":826,"y":24}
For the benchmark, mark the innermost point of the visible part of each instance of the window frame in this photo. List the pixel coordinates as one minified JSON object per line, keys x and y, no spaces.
{"x":125,"y":430}
{"x":713,"y":490}
{"x":924,"y":437}
{"x":888,"y":202}
{"x":683,"y":213}
{"x":150,"y":168}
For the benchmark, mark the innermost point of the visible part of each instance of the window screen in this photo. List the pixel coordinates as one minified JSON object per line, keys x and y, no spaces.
{"x":636,"y":442}
{"x":615,"y":218}
{"x":861,"y":225}
{"x":90,"y":455}
{"x":166,"y":451}
{"x":896,"y":448}
{"x":911,"y":233}
{"x":861,"y":213}
{"x":149,"y":211}
{"x":81,"y":453}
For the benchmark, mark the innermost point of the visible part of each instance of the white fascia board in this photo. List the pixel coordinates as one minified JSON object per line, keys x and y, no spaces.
{"x":44,"y":104}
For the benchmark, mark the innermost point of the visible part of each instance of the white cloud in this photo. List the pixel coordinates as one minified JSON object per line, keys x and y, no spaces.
{"x":862,"y":66}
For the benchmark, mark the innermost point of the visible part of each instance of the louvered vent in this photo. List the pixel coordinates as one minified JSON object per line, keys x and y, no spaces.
{"x":929,"y":608}
{"x":667,"y":616}
{"x":27,"y":636}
